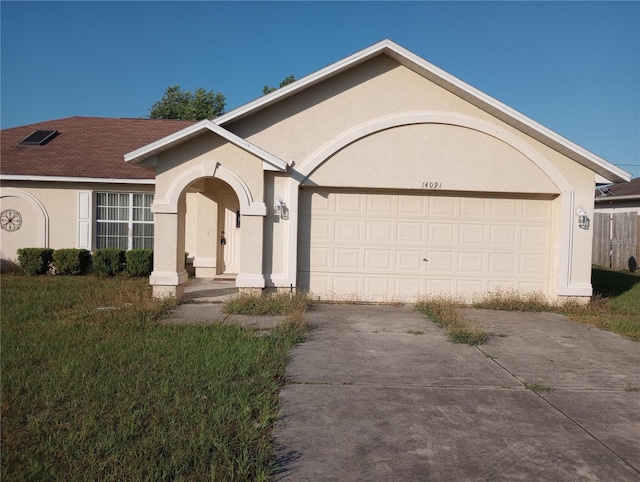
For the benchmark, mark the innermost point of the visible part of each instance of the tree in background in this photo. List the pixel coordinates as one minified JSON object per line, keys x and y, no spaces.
{"x":286,"y":81}
{"x":182,"y":104}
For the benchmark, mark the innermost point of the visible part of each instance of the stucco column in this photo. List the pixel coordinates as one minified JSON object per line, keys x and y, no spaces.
{"x":169,"y":274}
{"x":251,"y":250}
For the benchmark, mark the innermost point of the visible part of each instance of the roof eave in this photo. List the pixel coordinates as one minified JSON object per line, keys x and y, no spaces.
{"x":75,"y":179}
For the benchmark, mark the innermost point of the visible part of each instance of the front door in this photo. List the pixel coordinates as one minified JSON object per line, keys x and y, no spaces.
{"x":230,"y":239}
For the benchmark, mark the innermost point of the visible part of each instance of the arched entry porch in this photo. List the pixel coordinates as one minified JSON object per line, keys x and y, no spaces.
{"x":205,"y":152}
{"x":224,"y":211}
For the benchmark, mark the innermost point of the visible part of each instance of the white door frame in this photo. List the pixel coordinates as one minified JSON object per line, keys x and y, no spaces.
{"x":230,"y":220}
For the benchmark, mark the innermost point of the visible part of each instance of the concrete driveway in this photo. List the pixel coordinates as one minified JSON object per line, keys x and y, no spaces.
{"x":378,"y":393}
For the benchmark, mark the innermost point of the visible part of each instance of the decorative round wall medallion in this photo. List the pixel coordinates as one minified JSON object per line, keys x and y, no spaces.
{"x":10,"y":219}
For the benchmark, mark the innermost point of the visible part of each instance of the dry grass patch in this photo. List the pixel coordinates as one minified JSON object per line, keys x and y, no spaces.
{"x":513,"y":301}
{"x":447,"y":313}
{"x":614,"y":307}
{"x":269,"y":303}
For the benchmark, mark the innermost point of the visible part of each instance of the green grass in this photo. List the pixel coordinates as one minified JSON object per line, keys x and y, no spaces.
{"x":94,"y":388}
{"x":536,"y":387}
{"x":448,"y":314}
{"x":614,"y":307}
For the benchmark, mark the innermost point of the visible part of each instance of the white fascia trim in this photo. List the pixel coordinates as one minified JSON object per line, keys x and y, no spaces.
{"x":99,"y":180}
{"x":453,"y":84}
{"x":139,"y":155}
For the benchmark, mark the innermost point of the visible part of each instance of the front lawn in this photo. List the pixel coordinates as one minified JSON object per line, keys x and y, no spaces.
{"x":616,"y":303}
{"x":95,"y":388}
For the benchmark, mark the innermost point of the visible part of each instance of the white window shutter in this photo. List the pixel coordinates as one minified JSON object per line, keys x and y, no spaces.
{"x":85,"y":221}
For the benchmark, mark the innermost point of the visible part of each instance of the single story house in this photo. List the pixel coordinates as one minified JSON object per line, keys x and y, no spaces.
{"x":619,"y":198}
{"x":380,"y":177}
{"x":65,"y":184}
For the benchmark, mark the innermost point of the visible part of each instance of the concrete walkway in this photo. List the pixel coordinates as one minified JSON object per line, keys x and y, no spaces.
{"x":378,"y":393}
{"x":204,"y":303}
{"x":207,"y":290}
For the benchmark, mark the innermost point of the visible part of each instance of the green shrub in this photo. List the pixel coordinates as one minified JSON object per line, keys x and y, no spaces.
{"x":72,"y":261}
{"x":139,"y":262}
{"x":35,"y":261}
{"x":108,"y":261}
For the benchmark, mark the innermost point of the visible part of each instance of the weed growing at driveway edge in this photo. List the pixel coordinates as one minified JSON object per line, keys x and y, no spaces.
{"x":536,"y":387}
{"x":614,"y":307}
{"x":446,"y":312}
{"x":268,"y":304}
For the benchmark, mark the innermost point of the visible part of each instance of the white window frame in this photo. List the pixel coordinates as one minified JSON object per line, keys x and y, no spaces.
{"x":129,"y":222}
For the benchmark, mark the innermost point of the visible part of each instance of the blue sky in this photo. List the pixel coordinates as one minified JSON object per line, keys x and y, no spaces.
{"x":572,"y":66}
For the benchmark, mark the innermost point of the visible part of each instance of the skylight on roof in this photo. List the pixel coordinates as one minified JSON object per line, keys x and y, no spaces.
{"x":38,"y":138}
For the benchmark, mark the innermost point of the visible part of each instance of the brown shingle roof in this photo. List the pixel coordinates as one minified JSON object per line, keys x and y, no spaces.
{"x":630,"y":188}
{"x":85,"y":147}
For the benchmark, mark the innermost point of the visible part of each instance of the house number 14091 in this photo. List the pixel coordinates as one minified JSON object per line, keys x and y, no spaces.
{"x":431,"y":185}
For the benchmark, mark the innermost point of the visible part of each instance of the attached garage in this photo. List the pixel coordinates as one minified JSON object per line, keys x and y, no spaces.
{"x":381,"y":177}
{"x":400,"y":245}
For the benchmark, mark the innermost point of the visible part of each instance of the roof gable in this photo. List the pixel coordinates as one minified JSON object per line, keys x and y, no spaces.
{"x":607,"y":171}
{"x":270,"y":162}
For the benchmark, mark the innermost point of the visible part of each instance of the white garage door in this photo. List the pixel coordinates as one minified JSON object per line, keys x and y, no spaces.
{"x":397,"y":246}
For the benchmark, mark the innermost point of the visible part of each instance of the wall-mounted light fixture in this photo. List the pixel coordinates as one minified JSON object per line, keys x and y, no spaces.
{"x":583,"y":219}
{"x":280,"y":209}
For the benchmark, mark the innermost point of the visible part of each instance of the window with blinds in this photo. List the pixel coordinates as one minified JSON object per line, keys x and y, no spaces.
{"x":124,"y":220}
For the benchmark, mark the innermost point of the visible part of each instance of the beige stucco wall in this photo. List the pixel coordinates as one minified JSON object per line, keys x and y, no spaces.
{"x":26,"y":235}
{"x":275,"y":233}
{"x":60,"y":201}
{"x":208,"y":148}
{"x":296,"y":127}
{"x":461,"y":159}
{"x":449,"y":157}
